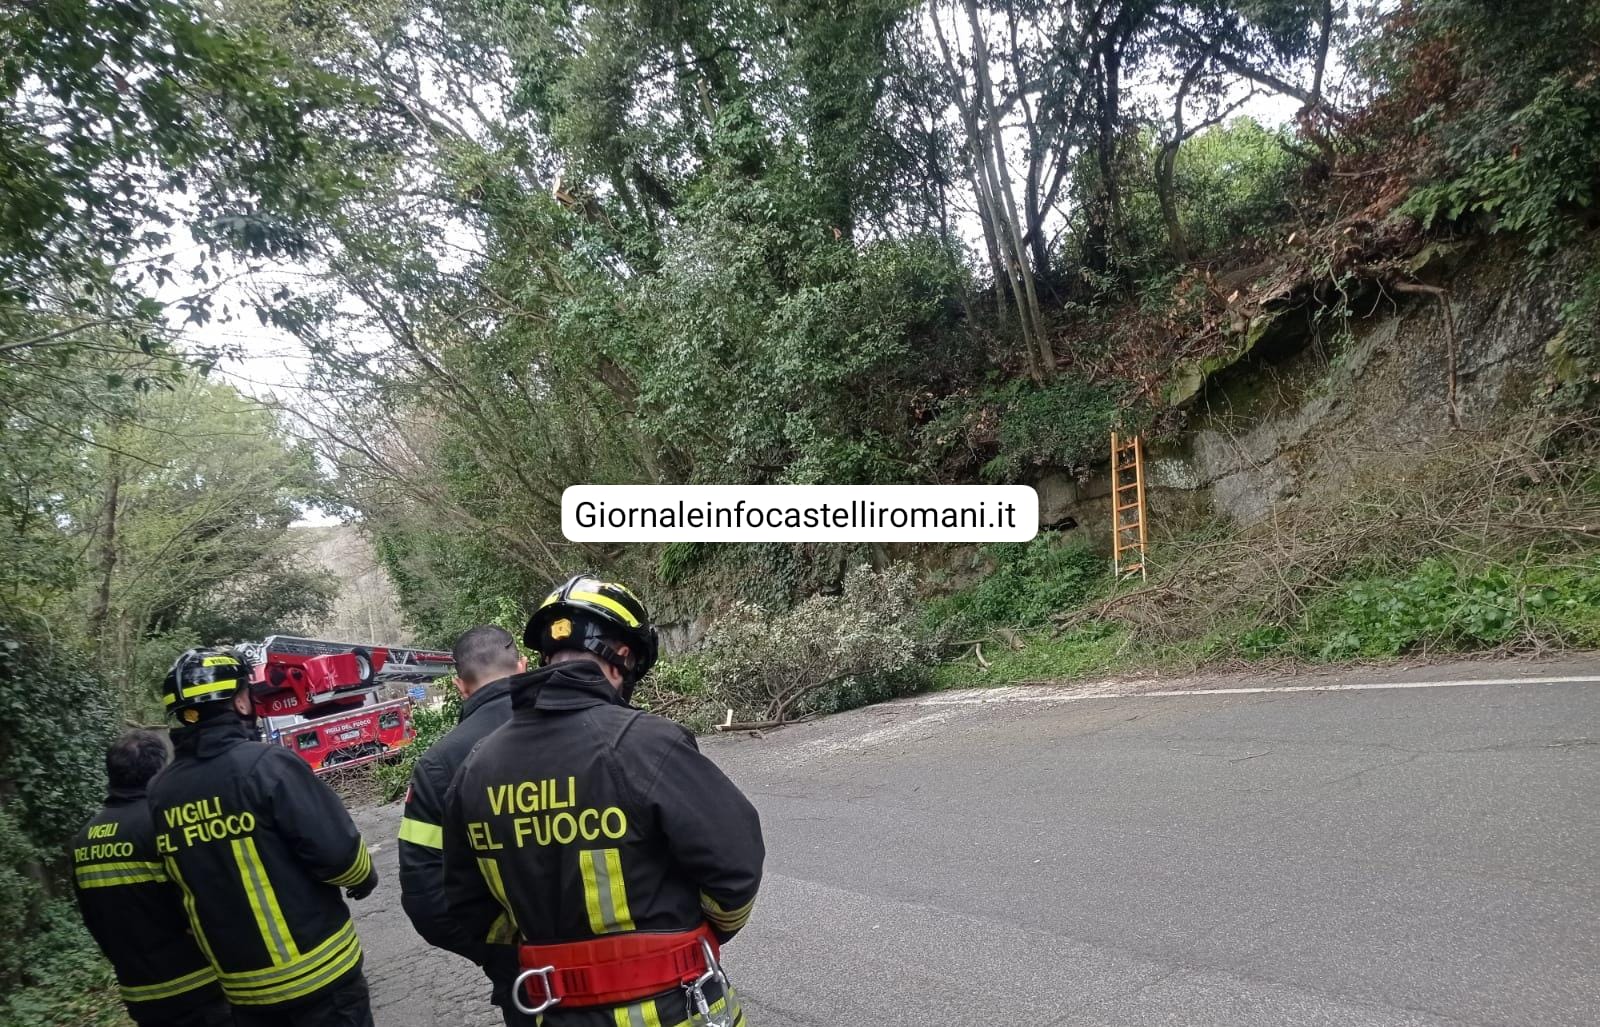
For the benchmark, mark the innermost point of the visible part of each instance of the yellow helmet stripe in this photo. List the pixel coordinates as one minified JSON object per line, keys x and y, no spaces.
{"x":219,"y":661}
{"x":190,"y":691}
{"x":609,"y":603}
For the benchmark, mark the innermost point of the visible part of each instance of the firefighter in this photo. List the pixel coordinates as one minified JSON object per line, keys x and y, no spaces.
{"x":259,"y":849}
{"x":486,"y":657}
{"x":119,"y":880}
{"x":620,"y":856}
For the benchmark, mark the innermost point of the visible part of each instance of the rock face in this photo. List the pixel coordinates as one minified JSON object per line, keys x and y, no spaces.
{"x":1294,"y":421}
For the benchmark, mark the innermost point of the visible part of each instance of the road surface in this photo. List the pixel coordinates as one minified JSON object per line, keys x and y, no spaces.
{"x":1364,"y":856}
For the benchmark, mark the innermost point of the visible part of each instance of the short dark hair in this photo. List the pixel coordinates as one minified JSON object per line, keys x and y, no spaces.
{"x":136,"y":757}
{"x":485,"y":653}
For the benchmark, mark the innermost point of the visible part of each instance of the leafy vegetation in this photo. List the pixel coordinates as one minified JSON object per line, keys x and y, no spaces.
{"x":780,"y":664}
{"x":1024,"y":585}
{"x":533,"y":245}
{"x":142,"y":507}
{"x":1521,"y":149}
{"x":431,"y":724}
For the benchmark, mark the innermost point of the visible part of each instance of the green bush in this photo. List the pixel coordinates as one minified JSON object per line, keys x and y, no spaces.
{"x":1519,"y":138}
{"x":1091,"y":649}
{"x":431,"y":725}
{"x":56,"y":719}
{"x":774,"y":664}
{"x":678,"y":560}
{"x":1030,"y":581}
{"x":1575,"y":352}
{"x":866,"y":689}
{"x":1062,"y":424}
{"x":1441,"y":606}
{"x":67,"y":983}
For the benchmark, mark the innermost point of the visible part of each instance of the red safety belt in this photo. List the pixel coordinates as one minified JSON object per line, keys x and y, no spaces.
{"x":616,"y":969}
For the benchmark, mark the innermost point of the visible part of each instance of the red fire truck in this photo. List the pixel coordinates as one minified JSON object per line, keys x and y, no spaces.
{"x":321,"y":699}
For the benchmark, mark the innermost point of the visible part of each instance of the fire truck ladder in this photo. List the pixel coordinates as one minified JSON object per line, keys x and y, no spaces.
{"x":1128,"y":530}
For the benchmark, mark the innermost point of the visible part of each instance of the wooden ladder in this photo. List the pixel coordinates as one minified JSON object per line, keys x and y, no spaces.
{"x":1128,"y":529}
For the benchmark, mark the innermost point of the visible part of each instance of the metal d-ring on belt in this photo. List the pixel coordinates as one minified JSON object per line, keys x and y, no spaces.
{"x":622,"y":968}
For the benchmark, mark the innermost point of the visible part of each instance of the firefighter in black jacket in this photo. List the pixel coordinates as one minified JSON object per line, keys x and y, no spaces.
{"x":259,"y":848}
{"x":621,"y":855}
{"x":120,"y":881}
{"x":486,"y":657}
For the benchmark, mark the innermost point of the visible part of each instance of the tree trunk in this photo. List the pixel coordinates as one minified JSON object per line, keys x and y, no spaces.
{"x":1165,"y":165}
{"x":995,"y":164}
{"x":100,"y":612}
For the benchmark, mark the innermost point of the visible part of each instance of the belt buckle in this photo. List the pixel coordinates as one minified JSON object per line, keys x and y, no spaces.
{"x":550,"y":997}
{"x":695,"y":991}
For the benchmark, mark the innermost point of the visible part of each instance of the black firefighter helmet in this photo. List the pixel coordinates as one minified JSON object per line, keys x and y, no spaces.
{"x":590,"y":614}
{"x":202,"y":681}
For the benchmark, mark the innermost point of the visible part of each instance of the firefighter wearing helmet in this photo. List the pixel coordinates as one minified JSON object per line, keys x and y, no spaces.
{"x":598,"y":836}
{"x":259,"y":849}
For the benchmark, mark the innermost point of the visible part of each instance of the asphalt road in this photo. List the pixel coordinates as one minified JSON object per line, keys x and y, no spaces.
{"x":1370,"y":856}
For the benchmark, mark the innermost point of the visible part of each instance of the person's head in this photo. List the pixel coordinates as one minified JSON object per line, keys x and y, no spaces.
{"x":598,"y":621}
{"x":483,"y":654}
{"x":204,"y":683}
{"x":136,"y":757}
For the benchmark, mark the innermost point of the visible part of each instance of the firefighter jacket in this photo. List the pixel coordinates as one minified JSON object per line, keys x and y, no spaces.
{"x":259,"y":848}
{"x":585,"y":817}
{"x":133,"y":912}
{"x":422,"y":830}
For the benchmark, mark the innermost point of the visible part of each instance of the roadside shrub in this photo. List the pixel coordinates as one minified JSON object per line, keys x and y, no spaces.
{"x":678,"y":688}
{"x":1092,"y":648}
{"x":1030,"y":582}
{"x":1507,"y":99}
{"x":774,"y":663}
{"x":393,"y":776}
{"x":66,"y":983}
{"x":1441,"y":606}
{"x":865,"y":689}
{"x":1018,"y":426}
{"x":55,"y":721}
{"x":1575,"y":352}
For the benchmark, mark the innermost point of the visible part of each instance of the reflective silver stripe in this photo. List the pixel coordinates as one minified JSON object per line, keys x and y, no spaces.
{"x":602,"y":880}
{"x":263,"y":902}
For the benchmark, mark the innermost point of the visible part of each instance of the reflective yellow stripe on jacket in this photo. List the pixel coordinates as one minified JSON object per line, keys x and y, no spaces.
{"x":640,"y":1014}
{"x":604,"y":891}
{"x":298,"y":975}
{"x":201,"y":978}
{"x":646,"y":1014}
{"x":725,"y":919}
{"x":104,"y":875}
{"x":270,"y":921}
{"x":190,"y":911}
{"x":497,"y":887}
{"x":316,"y":969}
{"x":420,"y":832}
{"x":358,"y":870}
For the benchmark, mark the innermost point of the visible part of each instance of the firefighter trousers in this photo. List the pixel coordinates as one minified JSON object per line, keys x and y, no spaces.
{"x":344,"y":1005}
{"x":212,"y":1014}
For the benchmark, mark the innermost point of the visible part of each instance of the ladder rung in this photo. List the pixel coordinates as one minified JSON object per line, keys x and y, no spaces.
{"x":1129,"y":485}
{"x":1133,"y":567}
{"x":1129,"y":506}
